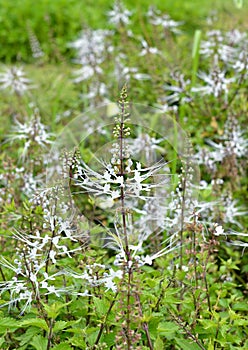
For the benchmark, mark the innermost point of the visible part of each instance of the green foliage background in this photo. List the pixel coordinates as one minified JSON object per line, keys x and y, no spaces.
{"x":57,"y":22}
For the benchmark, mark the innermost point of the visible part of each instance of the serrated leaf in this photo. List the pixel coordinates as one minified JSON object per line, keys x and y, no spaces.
{"x":36,"y":322}
{"x":62,"y":346}
{"x":92,"y":338}
{"x":158,"y":345}
{"x":28,"y":335}
{"x":78,"y":341}
{"x":72,"y":323}
{"x":54,"y":309}
{"x":209,"y":325}
{"x":59,"y":325}
{"x":39,"y":342}
{"x":167,"y":327}
{"x":109,"y":339}
{"x":8,"y":323}
{"x":187,"y":345}
{"x":74,"y":330}
{"x":101,"y":306}
{"x":151,"y":282}
{"x":241,"y":322}
{"x":240,"y":306}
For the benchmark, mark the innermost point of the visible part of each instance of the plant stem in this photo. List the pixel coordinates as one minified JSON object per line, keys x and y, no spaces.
{"x":123,"y":213}
{"x":188,"y":332}
{"x":103,"y":324}
{"x":50,"y":334}
{"x":205,"y":279}
{"x":145,"y":324}
{"x":2,"y":274}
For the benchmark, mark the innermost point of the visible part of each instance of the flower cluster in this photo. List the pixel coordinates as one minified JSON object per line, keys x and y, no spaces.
{"x":163,"y":20}
{"x":232,"y":142}
{"x":179,"y":92}
{"x":216,"y":82}
{"x":91,"y":52}
{"x":32,"y":132}
{"x":15,"y":80}
{"x":229,"y":47}
{"x":119,"y":15}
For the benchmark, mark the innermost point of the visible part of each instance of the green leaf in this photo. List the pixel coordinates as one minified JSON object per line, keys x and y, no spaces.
{"x":151,"y":282}
{"x":2,"y":341}
{"x":74,"y":330}
{"x":187,"y":345}
{"x":101,"y":306}
{"x":62,"y":346}
{"x":241,"y":306}
{"x":210,"y":345}
{"x":209,"y":325}
{"x":109,"y":339}
{"x":8,"y":323}
{"x":195,"y":54}
{"x":241,"y":322}
{"x":26,"y":337}
{"x":92,"y":333}
{"x":36,"y":322}
{"x":54,"y":309}
{"x":59,"y":325}
{"x":167,"y":327}
{"x":78,"y":341}
{"x":158,"y":345}
{"x":112,"y":109}
{"x":39,"y":342}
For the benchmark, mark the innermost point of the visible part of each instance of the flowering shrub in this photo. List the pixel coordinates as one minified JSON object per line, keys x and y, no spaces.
{"x":125,"y":226}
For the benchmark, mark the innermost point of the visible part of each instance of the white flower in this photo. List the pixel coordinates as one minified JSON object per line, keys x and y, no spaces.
{"x":215,"y":45}
{"x":119,"y":15}
{"x":91,"y":47}
{"x":31,"y":132}
{"x":218,"y":82}
{"x":146,"y":49}
{"x":85,"y":73}
{"x":229,"y":47}
{"x":145,"y":145}
{"x":215,"y":81}
{"x":232,"y":210}
{"x":52,"y":255}
{"x":14,"y":78}
{"x":232,"y":142}
{"x":135,"y":186}
{"x":148,"y":260}
{"x":185,"y":268}
{"x":178,"y":91}
{"x":44,"y":284}
{"x":163,"y":20}
{"x":218,"y":230}
{"x":127,"y":73}
{"x":96,"y":89}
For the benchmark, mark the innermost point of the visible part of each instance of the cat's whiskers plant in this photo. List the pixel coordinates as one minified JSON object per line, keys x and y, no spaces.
{"x":130,"y":185}
{"x":121,"y":131}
